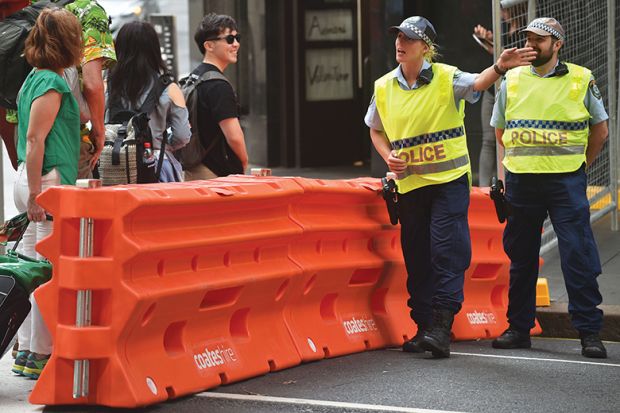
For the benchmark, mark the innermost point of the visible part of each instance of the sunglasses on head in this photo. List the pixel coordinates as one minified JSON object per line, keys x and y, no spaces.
{"x":230,"y":39}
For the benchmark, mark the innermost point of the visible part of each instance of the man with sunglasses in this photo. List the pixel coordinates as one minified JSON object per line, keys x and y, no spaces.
{"x":218,"y":109}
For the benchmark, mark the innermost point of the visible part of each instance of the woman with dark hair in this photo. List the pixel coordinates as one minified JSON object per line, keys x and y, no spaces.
{"x":48,"y":148}
{"x":138,"y":70}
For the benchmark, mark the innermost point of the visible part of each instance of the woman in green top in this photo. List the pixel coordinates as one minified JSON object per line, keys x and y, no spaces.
{"x":48,"y":147}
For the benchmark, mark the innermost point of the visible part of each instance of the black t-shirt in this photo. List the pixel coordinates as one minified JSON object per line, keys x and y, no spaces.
{"x":217,"y":101}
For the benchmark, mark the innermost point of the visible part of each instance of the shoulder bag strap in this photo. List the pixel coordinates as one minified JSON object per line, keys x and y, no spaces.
{"x":162,"y":152}
{"x":206,"y":76}
{"x":164,"y":81}
{"x":121,"y":134}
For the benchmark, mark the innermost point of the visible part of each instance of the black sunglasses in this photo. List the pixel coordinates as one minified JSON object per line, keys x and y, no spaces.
{"x":230,"y":39}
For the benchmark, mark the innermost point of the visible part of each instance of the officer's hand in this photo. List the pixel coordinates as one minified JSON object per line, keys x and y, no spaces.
{"x":396,"y":165}
{"x":514,"y":57}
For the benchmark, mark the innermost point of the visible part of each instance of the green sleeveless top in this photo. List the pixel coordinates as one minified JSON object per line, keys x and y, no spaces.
{"x":62,"y":146}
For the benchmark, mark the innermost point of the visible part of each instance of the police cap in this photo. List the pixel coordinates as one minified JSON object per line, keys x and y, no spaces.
{"x":546,"y":26}
{"x":416,"y":27}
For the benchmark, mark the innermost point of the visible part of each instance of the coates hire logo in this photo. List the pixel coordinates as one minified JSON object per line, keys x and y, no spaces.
{"x":478,"y":317}
{"x":361,"y":325}
{"x":213,"y":357}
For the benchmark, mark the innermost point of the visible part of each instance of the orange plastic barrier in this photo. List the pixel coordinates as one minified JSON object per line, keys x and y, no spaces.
{"x":336,"y":311}
{"x":483,"y":314}
{"x":343,"y":303}
{"x":203,"y":283}
{"x":189,"y":285}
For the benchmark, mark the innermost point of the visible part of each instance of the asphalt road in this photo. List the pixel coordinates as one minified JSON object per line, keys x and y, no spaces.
{"x":552,"y":377}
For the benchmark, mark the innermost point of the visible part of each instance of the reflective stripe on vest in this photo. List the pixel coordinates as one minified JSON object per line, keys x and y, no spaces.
{"x":547,"y":123}
{"x":545,"y":150}
{"x":433,"y":168}
{"x":425,"y":128}
{"x":429,"y":138}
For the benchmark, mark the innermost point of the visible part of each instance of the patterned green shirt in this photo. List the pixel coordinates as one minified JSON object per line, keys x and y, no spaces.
{"x":98,"y":42}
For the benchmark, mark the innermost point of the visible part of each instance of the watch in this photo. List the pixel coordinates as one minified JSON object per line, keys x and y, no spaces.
{"x":498,"y":70}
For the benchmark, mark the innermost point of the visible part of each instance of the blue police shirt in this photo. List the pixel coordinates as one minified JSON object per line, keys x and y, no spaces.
{"x":593,"y":104}
{"x":463,"y":86}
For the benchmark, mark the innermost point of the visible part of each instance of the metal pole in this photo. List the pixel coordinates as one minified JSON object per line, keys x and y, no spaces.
{"x":81,"y":368}
{"x":614,"y":117}
{"x":531,"y":10}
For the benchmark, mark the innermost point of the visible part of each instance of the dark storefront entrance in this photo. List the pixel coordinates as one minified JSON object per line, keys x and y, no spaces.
{"x":330,"y":106}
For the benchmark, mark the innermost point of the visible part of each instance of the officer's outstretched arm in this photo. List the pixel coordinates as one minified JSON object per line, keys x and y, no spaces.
{"x":596,"y":140}
{"x":509,"y":59}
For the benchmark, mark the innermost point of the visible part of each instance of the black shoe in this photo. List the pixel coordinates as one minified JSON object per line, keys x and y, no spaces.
{"x":437,"y":339}
{"x":512,"y":339}
{"x":413,"y":345}
{"x":591,"y":346}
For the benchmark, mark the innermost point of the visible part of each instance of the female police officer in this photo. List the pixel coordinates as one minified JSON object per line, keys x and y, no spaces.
{"x":416,"y":125}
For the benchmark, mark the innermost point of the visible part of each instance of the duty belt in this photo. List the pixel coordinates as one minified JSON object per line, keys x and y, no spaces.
{"x":545,"y":150}
{"x":429,"y":138}
{"x":546,"y":124}
{"x":436,"y":167}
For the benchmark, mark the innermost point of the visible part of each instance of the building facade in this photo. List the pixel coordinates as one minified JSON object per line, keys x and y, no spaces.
{"x":306,"y":71}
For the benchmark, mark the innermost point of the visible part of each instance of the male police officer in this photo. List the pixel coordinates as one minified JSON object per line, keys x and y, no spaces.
{"x":551,"y":120}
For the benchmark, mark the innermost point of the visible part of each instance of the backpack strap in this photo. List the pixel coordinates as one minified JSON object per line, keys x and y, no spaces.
{"x":162,"y":152}
{"x":163,"y":82}
{"x":160,"y":84}
{"x":211,"y":75}
{"x":121,"y":134}
{"x":198,"y":80}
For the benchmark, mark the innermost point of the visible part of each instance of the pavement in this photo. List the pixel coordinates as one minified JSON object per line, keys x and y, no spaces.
{"x":552,"y":377}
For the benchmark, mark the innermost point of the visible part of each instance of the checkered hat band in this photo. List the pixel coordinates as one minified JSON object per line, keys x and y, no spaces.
{"x":419,"y":32}
{"x":546,"y":28}
{"x":429,"y":138}
{"x":546,"y":124}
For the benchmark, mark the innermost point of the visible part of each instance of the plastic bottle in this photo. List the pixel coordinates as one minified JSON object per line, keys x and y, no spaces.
{"x":148,"y":159}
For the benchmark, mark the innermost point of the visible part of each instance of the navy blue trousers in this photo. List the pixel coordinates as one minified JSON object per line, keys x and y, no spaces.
{"x":563,"y":197}
{"x":436,"y":246}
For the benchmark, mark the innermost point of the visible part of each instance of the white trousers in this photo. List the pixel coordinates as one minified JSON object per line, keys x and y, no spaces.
{"x":33,"y":334}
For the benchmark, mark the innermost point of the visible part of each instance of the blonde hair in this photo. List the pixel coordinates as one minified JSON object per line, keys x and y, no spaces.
{"x":432,"y":54}
{"x":55,"y":41}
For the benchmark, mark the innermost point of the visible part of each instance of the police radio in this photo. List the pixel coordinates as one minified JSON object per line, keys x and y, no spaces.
{"x":390,"y":195}
{"x":502,"y":206}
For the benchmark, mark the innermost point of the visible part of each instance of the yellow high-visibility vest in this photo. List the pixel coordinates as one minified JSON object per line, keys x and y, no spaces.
{"x":425,"y":128}
{"x":547,"y":122}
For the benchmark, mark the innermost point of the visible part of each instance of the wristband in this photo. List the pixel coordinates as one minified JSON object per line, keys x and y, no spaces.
{"x":498,"y":71}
